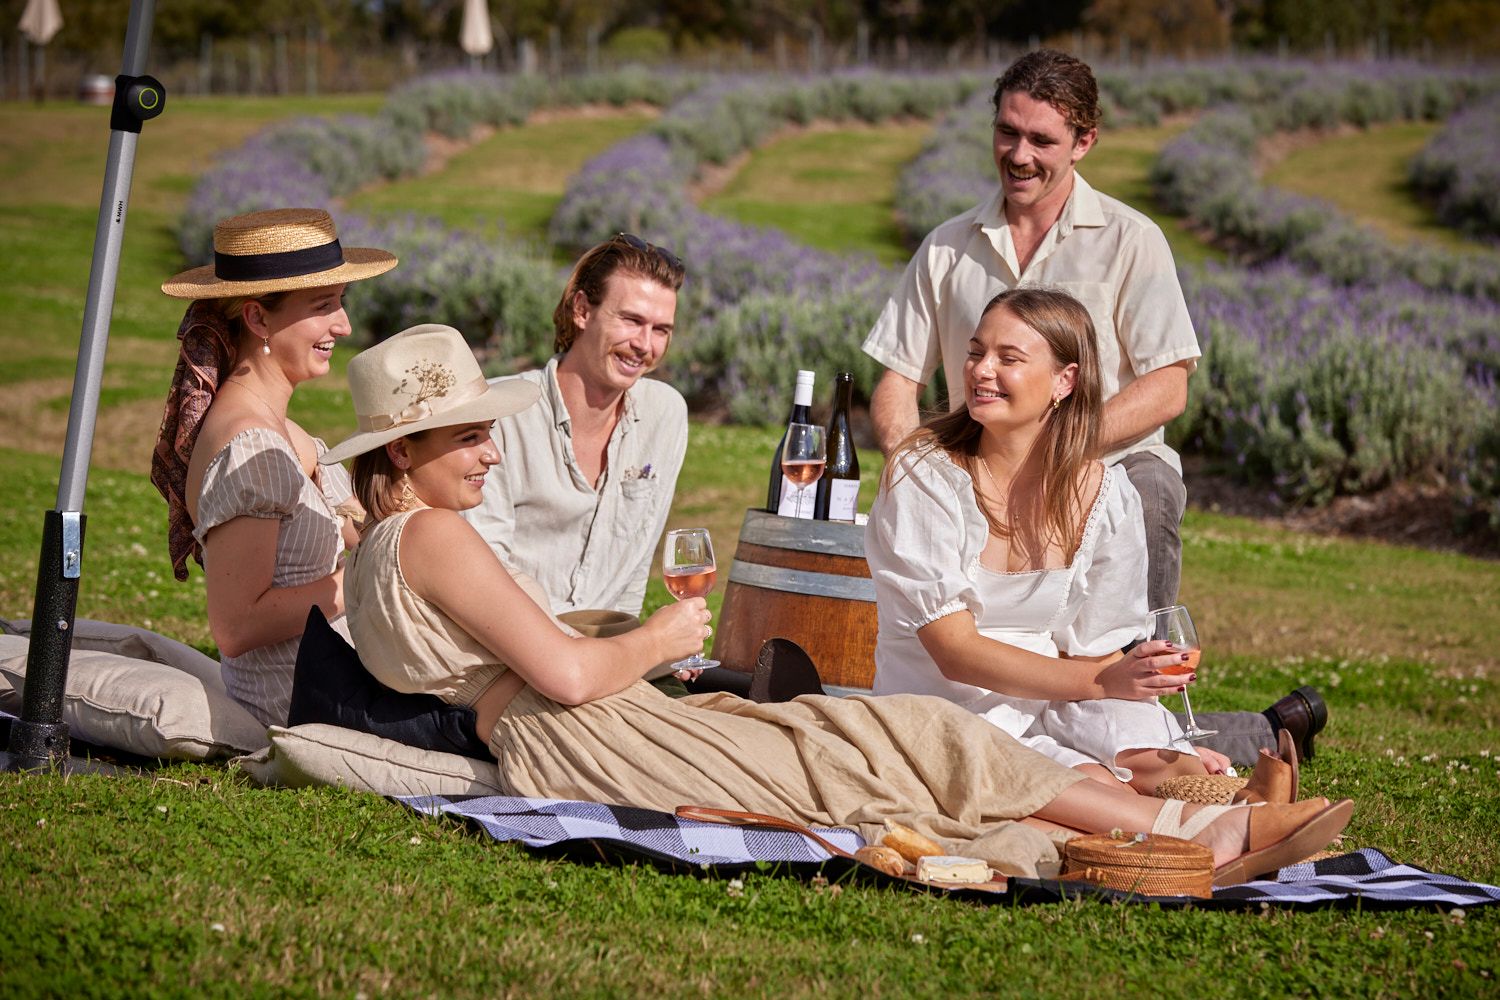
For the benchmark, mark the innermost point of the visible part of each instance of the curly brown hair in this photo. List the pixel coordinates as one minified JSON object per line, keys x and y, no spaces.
{"x":1058,"y":79}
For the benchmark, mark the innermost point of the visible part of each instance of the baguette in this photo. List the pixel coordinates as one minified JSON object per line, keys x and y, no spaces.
{"x":908,"y":843}
{"x":882,"y":859}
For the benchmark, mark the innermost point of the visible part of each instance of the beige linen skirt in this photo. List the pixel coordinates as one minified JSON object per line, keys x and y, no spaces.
{"x":919,"y":761}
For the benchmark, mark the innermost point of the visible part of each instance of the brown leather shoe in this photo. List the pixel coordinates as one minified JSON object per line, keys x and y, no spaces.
{"x":1275,"y":777}
{"x":1303,"y":713}
{"x":1282,"y":835}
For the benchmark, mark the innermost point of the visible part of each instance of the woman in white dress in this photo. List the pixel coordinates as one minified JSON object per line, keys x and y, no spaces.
{"x":1010,"y":565}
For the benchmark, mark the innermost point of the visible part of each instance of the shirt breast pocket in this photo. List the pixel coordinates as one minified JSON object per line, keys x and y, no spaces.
{"x":639,"y":490}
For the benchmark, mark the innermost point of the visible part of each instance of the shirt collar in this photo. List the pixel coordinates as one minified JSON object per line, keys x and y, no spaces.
{"x":1083,"y":210}
{"x":560,"y":416}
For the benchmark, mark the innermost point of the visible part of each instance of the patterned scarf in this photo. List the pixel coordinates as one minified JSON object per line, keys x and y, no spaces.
{"x":205,"y":359}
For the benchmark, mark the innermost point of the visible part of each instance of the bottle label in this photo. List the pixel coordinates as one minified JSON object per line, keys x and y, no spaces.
{"x":788,"y":507}
{"x":843,"y":499}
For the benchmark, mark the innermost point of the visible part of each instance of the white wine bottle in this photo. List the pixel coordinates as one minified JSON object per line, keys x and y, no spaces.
{"x":781,"y":497}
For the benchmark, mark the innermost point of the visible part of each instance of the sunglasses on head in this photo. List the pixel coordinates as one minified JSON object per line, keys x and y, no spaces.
{"x":634,"y":242}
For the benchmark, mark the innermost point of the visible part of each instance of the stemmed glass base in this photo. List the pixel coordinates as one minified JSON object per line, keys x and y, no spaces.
{"x":695,"y":662}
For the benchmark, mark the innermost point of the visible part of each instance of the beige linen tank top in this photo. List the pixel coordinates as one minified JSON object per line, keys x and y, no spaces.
{"x":403,"y":639}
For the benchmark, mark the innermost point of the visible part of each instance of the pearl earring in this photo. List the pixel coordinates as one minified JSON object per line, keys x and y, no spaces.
{"x":265,"y":345}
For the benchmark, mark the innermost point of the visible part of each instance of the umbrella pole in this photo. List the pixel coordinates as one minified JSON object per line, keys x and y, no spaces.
{"x":39,"y":738}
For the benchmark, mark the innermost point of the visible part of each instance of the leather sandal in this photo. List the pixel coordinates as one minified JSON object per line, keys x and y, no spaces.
{"x":1276,"y":775}
{"x":1282,"y":835}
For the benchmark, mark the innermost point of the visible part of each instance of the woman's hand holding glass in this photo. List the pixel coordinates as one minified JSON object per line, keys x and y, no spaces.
{"x":689,"y":569}
{"x":681,"y":629}
{"x":1142,"y":673}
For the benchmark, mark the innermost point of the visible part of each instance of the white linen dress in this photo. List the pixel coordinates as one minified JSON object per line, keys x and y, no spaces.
{"x":923,"y":543}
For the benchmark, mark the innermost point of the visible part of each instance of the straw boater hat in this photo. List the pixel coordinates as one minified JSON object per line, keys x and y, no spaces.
{"x":277,"y":251}
{"x":422,"y":378}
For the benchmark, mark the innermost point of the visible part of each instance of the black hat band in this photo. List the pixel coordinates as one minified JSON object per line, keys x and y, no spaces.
{"x":287,"y":264}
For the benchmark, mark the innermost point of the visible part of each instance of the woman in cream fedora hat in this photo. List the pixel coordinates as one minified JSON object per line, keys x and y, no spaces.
{"x":433,"y":610}
{"x":245,"y":494}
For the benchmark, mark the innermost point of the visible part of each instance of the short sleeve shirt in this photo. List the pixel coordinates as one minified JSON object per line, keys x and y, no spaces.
{"x":588,"y":545}
{"x":1107,"y":255}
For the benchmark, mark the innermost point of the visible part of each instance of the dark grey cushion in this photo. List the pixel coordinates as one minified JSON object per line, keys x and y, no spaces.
{"x":331,"y":686}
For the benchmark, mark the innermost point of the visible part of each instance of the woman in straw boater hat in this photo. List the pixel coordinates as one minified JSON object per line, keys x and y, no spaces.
{"x":433,"y":610}
{"x":245,"y":494}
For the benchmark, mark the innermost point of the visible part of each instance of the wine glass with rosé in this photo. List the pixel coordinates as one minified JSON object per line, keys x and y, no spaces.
{"x":804,"y":458}
{"x":1175,"y":625}
{"x":688,"y":569}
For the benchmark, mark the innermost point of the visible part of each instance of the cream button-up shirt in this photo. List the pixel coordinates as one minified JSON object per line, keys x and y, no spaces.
{"x":588,"y":545}
{"x":1104,"y":253}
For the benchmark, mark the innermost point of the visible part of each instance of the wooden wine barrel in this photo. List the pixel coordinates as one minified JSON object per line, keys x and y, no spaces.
{"x":806,"y":581}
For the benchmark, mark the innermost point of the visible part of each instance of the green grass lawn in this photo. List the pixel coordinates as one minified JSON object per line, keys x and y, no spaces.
{"x":1364,"y":174}
{"x":516,"y":176}
{"x":191,"y":882}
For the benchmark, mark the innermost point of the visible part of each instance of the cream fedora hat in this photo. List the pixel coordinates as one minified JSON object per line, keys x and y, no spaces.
{"x":422,"y":378}
{"x":280,"y":250}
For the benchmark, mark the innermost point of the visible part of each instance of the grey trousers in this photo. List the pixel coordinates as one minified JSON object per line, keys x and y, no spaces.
{"x":1163,"y":499}
{"x":1241,"y":735}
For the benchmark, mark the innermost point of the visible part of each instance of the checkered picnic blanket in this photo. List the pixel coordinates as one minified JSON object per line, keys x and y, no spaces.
{"x":1366,"y":877}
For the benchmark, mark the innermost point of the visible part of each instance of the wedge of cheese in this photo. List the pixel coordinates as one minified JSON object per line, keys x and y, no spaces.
{"x":942,"y":868}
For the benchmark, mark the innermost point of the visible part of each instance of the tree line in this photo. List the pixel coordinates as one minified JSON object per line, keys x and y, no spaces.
{"x":93,"y":29}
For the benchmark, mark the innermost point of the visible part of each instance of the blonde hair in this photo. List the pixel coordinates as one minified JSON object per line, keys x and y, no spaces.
{"x":233,"y":307}
{"x":377,"y":482}
{"x":1070,"y":436}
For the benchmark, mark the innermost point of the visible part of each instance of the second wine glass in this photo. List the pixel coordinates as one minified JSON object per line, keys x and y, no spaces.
{"x":1175,"y":625}
{"x":689,"y":570}
{"x":804,"y":458}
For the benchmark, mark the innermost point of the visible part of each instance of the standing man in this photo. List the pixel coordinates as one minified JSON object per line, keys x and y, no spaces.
{"x":1045,"y":225}
{"x":587,"y":475}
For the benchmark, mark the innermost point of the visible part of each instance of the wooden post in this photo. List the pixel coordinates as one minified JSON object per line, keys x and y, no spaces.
{"x":310,"y":53}
{"x":205,"y":63}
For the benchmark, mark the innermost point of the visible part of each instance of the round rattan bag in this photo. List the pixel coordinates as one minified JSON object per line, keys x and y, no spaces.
{"x":1149,"y":864}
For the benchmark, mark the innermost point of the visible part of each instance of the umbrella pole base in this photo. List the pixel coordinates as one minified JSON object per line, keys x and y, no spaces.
{"x":36,"y":746}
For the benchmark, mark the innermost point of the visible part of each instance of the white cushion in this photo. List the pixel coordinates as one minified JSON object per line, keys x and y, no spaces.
{"x":318,"y":754}
{"x":132,"y":641}
{"x":139,"y":706}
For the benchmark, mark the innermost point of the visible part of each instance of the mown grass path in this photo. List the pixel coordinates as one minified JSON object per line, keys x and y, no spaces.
{"x":1364,"y":174}
{"x":829,"y":186}
{"x":514,"y":177}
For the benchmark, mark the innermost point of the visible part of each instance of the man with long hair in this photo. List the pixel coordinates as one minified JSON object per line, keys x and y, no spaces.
{"x":588,"y":475}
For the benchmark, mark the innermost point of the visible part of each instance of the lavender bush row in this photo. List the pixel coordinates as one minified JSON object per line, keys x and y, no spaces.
{"x":305,"y":161}
{"x":1322,"y":389}
{"x":1207,"y":174}
{"x":954,"y":171}
{"x":500,"y":294}
{"x":956,"y":168}
{"x":311,"y":161}
{"x":1460,"y":170}
{"x":640,"y":183}
{"x":454,"y":103}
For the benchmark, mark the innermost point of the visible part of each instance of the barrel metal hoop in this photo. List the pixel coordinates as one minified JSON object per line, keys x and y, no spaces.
{"x":796,"y":581}
{"x":827,"y":537}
